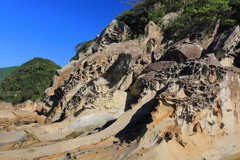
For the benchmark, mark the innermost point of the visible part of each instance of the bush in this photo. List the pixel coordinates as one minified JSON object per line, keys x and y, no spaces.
{"x":201,"y":13}
{"x":156,"y":15}
{"x":195,"y":13}
{"x":82,"y":47}
{"x":137,"y":17}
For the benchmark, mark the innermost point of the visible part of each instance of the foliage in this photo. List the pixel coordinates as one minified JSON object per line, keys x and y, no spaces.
{"x":28,"y":81}
{"x":201,"y":13}
{"x":126,"y":39}
{"x":195,"y":13}
{"x":209,"y":10}
{"x":235,"y":4}
{"x":79,"y":46}
{"x":137,"y":17}
{"x":141,"y":13}
{"x":6,"y":71}
{"x":156,"y":15}
{"x":82,"y":47}
{"x":132,"y":2}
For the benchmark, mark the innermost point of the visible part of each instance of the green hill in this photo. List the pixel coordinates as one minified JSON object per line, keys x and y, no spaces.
{"x":28,"y":81}
{"x":4,"y":72}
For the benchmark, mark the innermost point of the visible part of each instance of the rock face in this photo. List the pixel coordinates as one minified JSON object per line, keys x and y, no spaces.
{"x":61,"y":75}
{"x":225,"y":42}
{"x":152,"y":40}
{"x":115,"y":32}
{"x":152,"y":30}
{"x":5,"y":106}
{"x":120,"y":103}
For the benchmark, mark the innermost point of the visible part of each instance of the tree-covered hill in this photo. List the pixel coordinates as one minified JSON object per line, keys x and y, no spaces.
{"x":6,"y":71}
{"x":28,"y":81}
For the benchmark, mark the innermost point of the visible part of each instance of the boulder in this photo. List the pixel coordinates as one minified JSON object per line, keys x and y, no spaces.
{"x":152,"y":30}
{"x":182,"y":51}
{"x":115,"y":32}
{"x":224,"y":43}
{"x":152,"y":39}
{"x":41,"y":119}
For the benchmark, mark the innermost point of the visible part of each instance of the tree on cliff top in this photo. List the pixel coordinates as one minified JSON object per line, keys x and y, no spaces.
{"x":29,"y":81}
{"x":195,"y":12}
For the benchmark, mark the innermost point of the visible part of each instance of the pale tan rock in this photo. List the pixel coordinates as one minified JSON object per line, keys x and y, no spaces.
{"x":152,"y":30}
{"x":152,"y":38}
{"x":117,"y":104}
{"x":59,"y":77}
{"x":6,"y":106}
{"x":41,"y":119}
{"x":116,"y":31}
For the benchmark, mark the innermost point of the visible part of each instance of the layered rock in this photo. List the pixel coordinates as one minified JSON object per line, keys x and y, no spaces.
{"x":6,"y":106}
{"x":121,"y":103}
{"x":224,"y":43}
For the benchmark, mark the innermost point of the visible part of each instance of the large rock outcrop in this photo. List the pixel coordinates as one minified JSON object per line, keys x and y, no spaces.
{"x":119,"y":103}
{"x":152,"y":40}
{"x":115,"y":32}
{"x":224,"y":43}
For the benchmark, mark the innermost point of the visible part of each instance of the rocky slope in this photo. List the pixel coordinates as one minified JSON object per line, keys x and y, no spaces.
{"x":132,"y":100}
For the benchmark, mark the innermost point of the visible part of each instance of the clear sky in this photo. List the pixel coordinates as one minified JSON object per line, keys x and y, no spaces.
{"x":50,"y":28}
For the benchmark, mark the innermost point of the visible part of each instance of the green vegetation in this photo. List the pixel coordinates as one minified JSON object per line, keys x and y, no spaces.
{"x":138,"y":16}
{"x":4,"y":72}
{"x":202,"y":13}
{"x":28,"y":81}
{"x":149,"y":10}
{"x":193,"y":14}
{"x":82,"y":47}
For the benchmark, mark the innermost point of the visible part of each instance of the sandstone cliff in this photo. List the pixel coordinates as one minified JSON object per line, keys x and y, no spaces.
{"x":132,"y":100}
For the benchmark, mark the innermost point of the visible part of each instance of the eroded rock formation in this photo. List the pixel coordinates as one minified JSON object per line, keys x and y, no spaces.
{"x":115,"y":32}
{"x":123,"y":103}
{"x":225,"y":42}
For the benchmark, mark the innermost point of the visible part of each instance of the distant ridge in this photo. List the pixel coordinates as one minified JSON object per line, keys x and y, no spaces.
{"x":6,"y":71}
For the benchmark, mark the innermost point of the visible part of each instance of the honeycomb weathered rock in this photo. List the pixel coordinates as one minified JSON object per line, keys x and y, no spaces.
{"x":118,"y":104}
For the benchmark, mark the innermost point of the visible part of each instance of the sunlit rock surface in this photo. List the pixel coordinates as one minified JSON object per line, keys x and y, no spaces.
{"x":127,"y":102}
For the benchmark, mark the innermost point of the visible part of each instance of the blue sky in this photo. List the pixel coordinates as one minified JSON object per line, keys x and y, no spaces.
{"x":50,"y":28}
